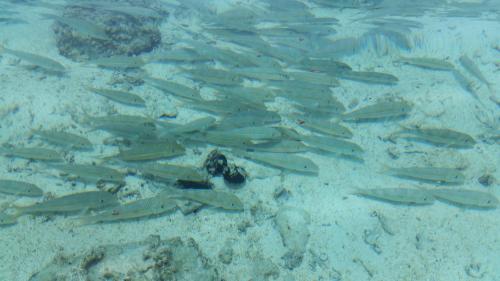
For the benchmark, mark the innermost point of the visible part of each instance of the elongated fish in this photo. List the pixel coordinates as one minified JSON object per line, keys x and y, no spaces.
{"x":128,"y":126}
{"x":151,"y":151}
{"x":466,"y":198}
{"x":64,"y":139}
{"x":20,"y":188}
{"x":432,"y":174}
{"x":176,"y":89}
{"x":87,"y":173}
{"x":220,"y":199}
{"x":37,"y":60}
{"x":428,"y":63}
{"x":282,"y":161}
{"x":369,"y":77}
{"x":197,"y":125}
{"x":249,"y":118}
{"x":141,"y":208}
{"x":326,"y":127}
{"x":90,"y":200}
{"x":32,"y":153}
{"x":122,"y":97}
{"x":334,"y":145}
{"x":398,"y":195}
{"x":438,"y":136}
{"x":215,"y":76}
{"x":281,"y":146}
{"x":119,"y":62}
{"x":379,"y":110}
{"x":472,"y":68}
{"x":7,"y":219}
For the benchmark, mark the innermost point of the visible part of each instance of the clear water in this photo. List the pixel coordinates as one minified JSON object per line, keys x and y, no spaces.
{"x":249,"y":140}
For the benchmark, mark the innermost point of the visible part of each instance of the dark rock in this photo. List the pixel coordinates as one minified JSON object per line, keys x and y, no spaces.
{"x":216,"y":163}
{"x":129,"y":34}
{"x":234,"y":175}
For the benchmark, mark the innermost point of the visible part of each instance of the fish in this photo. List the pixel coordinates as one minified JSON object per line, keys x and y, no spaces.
{"x":32,"y":153}
{"x":197,"y":125}
{"x":220,"y":138}
{"x":431,"y":174}
{"x":398,"y":195}
{"x":369,"y":77}
{"x":318,"y":105}
{"x":379,"y":110}
{"x":249,"y":118}
{"x":122,"y":97}
{"x":284,"y":161}
{"x":212,"y":75}
{"x":89,"y":200}
{"x":46,"y":63}
{"x":428,"y":63}
{"x":150,"y":151}
{"x":128,"y":126}
{"x":88,"y":173}
{"x":7,"y":20}
{"x":252,"y":133}
{"x":466,"y":83}
{"x":334,"y":145}
{"x":7,"y":219}
{"x":314,"y":77}
{"x":141,"y":208}
{"x":262,"y":73}
{"x":466,"y":197}
{"x":329,"y":66}
{"x":173,"y":88}
{"x":437,"y":136}
{"x":325,"y":127}
{"x":20,"y":188}
{"x":119,"y":62}
{"x":280,"y":146}
{"x":183,"y":55}
{"x":256,"y":96}
{"x":219,"y":199}
{"x":469,"y":65}
{"x":64,"y":139}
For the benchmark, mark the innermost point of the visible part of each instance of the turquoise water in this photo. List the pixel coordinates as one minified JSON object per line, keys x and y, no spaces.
{"x":249,"y":140}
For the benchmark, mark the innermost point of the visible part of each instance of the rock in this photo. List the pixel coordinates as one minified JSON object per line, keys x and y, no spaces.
{"x":293,"y":226}
{"x":152,"y":259}
{"x":129,"y":33}
{"x":215,"y":163}
{"x":226,"y":253}
{"x":234,"y":176}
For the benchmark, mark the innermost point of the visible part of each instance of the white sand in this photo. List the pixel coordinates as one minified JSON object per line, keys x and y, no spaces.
{"x":436,"y":242}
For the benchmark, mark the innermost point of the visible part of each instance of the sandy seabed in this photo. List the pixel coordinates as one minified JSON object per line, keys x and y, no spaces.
{"x":347,"y":238}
